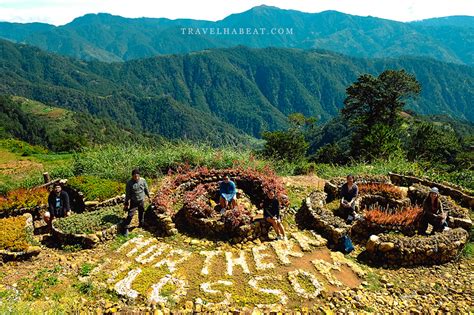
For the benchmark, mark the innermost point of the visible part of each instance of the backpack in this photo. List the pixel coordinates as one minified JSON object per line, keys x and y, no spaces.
{"x":345,"y":244}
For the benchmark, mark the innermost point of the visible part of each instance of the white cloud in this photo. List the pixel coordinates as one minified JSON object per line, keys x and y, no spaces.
{"x":61,"y":12}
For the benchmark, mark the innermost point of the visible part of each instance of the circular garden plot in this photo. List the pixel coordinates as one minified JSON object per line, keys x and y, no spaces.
{"x":190,"y":201}
{"x":390,"y":217}
{"x":16,"y":238}
{"x":88,"y":228}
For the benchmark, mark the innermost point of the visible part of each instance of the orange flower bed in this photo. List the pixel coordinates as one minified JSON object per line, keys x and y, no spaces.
{"x":24,"y":198}
{"x":381,"y":189}
{"x":405,"y":217}
{"x":13,"y":234}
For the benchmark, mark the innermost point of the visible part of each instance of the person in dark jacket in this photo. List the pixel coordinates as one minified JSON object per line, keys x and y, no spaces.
{"x":433,"y":213}
{"x":58,"y":205}
{"x":227,"y":193}
{"x":272,"y":215}
{"x":349,"y":194}
{"x":135,"y":192}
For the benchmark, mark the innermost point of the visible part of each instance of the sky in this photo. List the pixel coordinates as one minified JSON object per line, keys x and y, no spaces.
{"x":59,"y":12}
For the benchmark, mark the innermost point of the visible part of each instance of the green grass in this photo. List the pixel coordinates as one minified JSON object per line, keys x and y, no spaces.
{"x":373,"y":281}
{"x":22,"y":165}
{"x":116,"y":163}
{"x":468,"y":250}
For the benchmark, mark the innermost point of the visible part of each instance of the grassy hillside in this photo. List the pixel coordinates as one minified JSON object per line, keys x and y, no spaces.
{"x":220,"y":95}
{"x":60,"y":129}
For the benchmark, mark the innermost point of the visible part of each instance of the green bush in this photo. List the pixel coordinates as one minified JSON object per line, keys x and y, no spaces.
{"x":90,"y":222}
{"x":95,"y":188}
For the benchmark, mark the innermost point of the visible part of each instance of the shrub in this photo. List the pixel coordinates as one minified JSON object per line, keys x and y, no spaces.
{"x":95,"y":188}
{"x":236,"y":217}
{"x":13,"y":234}
{"x":90,"y":222}
{"x":405,"y":217}
{"x":23,"y":198}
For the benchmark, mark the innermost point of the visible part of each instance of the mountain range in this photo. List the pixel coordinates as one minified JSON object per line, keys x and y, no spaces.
{"x":109,"y":38}
{"x":226,"y":95}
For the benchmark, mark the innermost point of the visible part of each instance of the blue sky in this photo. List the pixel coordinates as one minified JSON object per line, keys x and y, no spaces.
{"x":63,"y":11}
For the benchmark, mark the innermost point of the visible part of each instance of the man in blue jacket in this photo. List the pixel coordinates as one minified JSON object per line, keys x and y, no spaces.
{"x":227,"y":192}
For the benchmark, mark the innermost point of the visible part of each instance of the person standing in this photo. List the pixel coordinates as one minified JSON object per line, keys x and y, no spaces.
{"x":135,"y":192}
{"x":58,"y":205}
{"x":227,"y":193}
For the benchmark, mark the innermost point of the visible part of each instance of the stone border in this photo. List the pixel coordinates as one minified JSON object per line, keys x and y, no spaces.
{"x":85,"y":240}
{"x":410,"y":251}
{"x":315,"y":216}
{"x":332,"y":187}
{"x":7,"y":255}
{"x":213,"y":227}
{"x":460,"y":196}
{"x":94,"y":204}
{"x":163,"y":217}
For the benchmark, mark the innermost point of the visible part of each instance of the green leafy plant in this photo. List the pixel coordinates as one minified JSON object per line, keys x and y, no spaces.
{"x":90,"y":222}
{"x":85,"y":269}
{"x":85,"y":288}
{"x":95,"y":188}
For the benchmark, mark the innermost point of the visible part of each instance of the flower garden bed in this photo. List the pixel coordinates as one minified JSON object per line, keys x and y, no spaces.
{"x":88,"y":228}
{"x":377,"y":221}
{"x":20,"y":201}
{"x":190,"y":195}
{"x":16,"y":238}
{"x":389,"y":223}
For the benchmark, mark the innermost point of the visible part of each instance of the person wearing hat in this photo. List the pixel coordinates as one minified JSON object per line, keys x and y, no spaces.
{"x":433,"y":213}
{"x":135,"y":192}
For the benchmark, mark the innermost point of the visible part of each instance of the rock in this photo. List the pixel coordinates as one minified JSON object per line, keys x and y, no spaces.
{"x":372,"y":243}
{"x":189,"y":305}
{"x":386,"y":246}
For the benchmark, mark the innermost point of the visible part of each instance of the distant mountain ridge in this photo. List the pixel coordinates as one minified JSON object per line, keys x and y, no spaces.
{"x":112,"y":38}
{"x":220,"y":95}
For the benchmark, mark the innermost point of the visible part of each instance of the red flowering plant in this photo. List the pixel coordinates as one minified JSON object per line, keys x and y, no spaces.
{"x":404,"y":217}
{"x":381,"y":189}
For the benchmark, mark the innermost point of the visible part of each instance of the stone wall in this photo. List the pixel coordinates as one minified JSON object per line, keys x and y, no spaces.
{"x":396,"y":250}
{"x":456,"y":193}
{"x":363,"y":229}
{"x":315,"y":216}
{"x":85,"y":240}
{"x":333,"y":187}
